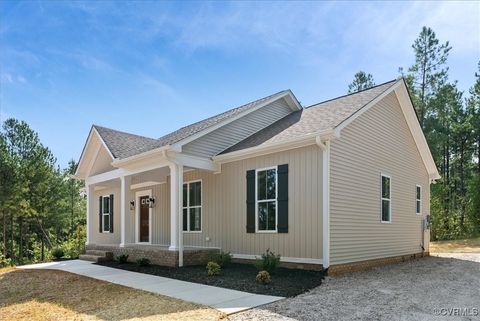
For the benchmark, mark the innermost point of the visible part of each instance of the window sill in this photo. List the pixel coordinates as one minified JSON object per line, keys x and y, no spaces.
{"x":266,"y":232}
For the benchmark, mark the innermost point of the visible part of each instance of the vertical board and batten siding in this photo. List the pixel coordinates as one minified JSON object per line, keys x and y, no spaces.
{"x":95,"y":235}
{"x":378,"y":141}
{"x":220,"y":139}
{"x":224,"y":207}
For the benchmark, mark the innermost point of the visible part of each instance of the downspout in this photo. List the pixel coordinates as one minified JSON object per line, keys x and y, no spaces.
{"x":325,"y":147}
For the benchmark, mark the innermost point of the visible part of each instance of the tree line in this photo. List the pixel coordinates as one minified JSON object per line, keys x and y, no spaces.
{"x":41,"y":206}
{"x":450,"y":120}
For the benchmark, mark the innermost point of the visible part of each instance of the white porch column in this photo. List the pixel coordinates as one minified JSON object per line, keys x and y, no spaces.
{"x":89,"y":190}
{"x":176,"y":209}
{"x":124,"y":206}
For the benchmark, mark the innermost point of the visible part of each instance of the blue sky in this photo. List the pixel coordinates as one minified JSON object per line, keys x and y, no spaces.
{"x":152,"y":67}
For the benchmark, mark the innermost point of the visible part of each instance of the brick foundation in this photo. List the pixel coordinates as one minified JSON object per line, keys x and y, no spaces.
{"x":157,"y":255}
{"x":339,"y":269}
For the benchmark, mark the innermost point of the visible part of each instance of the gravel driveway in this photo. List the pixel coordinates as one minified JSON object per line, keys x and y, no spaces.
{"x":418,"y":290}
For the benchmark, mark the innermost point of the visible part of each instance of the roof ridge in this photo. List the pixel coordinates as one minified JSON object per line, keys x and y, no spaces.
{"x":223,"y":113}
{"x":351,"y":94}
{"x":122,"y":132}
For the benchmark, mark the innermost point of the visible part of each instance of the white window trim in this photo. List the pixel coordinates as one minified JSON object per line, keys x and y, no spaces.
{"x":189,"y":207}
{"x":418,"y":199}
{"x":385,"y":199}
{"x":269,"y":200}
{"x":137,"y":216}
{"x":106,"y":214}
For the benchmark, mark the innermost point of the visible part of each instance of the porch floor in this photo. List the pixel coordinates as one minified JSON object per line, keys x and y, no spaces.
{"x":225,"y":300}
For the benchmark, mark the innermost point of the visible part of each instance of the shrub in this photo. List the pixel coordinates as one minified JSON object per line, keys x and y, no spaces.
{"x":268,"y":262}
{"x":122,"y":259}
{"x":222,"y":258}
{"x":263,"y":277}
{"x":213,"y":268}
{"x":58,"y":253}
{"x":75,"y":244}
{"x":4,"y":262}
{"x":143,"y":262}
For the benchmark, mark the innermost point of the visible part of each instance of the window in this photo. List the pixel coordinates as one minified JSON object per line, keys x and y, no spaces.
{"x":192,"y":206}
{"x":266,"y":199}
{"x":106,"y":214}
{"x":386,"y":199}
{"x":418,"y":199}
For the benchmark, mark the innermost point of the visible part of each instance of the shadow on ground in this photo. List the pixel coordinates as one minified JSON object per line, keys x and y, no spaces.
{"x":58,"y":295}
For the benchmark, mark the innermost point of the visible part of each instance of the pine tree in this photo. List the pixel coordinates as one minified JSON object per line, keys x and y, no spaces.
{"x":429,"y":73}
{"x":361,"y":81}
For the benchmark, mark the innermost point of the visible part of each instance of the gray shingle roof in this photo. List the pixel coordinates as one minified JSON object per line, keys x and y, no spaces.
{"x":322,"y":116}
{"x":123,"y":145}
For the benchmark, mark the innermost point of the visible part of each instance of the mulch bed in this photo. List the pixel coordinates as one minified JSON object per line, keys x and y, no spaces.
{"x":284,"y":282}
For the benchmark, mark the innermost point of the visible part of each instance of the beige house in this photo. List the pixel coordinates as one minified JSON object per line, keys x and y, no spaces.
{"x":346,"y":181}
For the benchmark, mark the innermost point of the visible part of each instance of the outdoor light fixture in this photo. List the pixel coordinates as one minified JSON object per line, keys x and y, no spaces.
{"x":132,"y":205}
{"x":151,"y":202}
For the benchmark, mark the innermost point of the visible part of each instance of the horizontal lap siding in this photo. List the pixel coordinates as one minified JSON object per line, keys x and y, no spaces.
{"x":378,"y":141}
{"x":224,"y":207}
{"x":228,"y":135}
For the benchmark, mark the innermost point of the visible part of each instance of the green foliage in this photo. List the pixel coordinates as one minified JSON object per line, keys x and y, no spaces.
{"x":213,"y":268}
{"x":58,"y":252}
{"x":263,"y":277}
{"x":122,"y":259}
{"x":222,"y":258}
{"x":75,"y":245}
{"x":4,"y":262}
{"x":143,"y":262}
{"x":40,"y":205}
{"x":268,"y":262}
{"x":361,"y":81}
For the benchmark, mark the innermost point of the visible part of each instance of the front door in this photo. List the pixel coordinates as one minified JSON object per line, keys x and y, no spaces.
{"x":144,"y":219}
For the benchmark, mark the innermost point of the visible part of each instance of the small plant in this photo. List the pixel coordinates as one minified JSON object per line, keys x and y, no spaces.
{"x":268,"y":262}
{"x":222,"y":258}
{"x":58,"y":252}
{"x":213,"y":268}
{"x":4,"y":262}
{"x":263,"y":277}
{"x":143,"y":262}
{"x":122,"y":259}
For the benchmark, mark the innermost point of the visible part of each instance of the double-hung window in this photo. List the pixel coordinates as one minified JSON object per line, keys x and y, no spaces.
{"x":106,"y":214}
{"x":386,"y":198}
{"x":192,"y":206}
{"x":418,"y":199}
{"x":266,"y":199}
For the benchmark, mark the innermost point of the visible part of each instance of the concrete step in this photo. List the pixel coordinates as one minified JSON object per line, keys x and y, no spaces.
{"x":105,"y":254}
{"x":93,"y":258}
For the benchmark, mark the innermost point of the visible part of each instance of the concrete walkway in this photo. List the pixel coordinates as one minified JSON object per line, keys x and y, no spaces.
{"x":224,"y":300}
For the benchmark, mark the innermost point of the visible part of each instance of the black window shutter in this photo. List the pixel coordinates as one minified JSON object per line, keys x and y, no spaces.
{"x":282,"y":198}
{"x":111,"y":213}
{"x":100,"y":222}
{"x":251,"y":201}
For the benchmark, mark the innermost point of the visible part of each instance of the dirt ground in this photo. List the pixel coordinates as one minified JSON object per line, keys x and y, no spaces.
{"x":430,"y":288}
{"x":57,"y":295}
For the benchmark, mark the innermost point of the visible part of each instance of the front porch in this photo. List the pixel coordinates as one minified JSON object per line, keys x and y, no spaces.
{"x":144,"y":210}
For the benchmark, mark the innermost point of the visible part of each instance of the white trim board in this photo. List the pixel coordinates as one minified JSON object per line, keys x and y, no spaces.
{"x":282,"y":259}
{"x":145,"y":184}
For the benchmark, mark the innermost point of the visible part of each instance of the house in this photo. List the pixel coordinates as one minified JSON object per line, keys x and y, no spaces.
{"x":341,"y":184}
